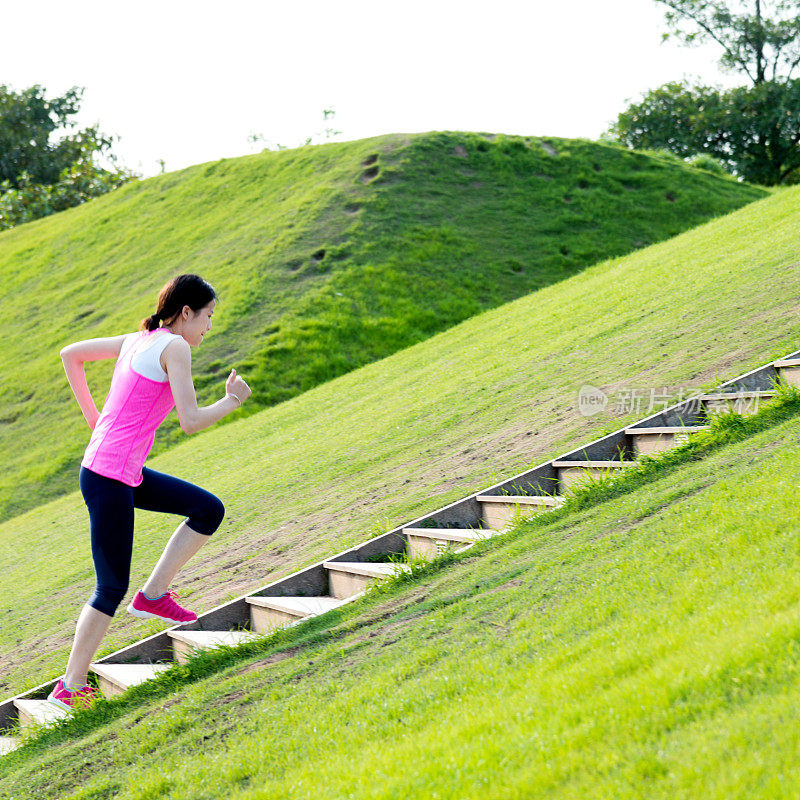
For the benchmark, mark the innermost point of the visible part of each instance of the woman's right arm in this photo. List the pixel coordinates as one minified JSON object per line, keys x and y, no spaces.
{"x":73,"y":357}
{"x":178,"y":359}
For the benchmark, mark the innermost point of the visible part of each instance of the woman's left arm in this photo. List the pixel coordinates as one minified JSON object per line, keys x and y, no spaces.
{"x":73,"y":357}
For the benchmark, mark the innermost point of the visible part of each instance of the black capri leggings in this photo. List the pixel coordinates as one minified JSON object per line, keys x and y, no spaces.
{"x":111,"y":503}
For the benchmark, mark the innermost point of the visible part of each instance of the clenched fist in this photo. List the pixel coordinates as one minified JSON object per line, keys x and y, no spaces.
{"x":237,"y":386}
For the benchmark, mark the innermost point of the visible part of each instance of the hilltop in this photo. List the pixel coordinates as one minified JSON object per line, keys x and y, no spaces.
{"x":326,"y":258}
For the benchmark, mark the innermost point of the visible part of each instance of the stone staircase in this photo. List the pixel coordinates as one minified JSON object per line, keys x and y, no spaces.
{"x":343,"y":578}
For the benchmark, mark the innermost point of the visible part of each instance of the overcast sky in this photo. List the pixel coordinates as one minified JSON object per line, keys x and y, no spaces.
{"x":189,"y":82}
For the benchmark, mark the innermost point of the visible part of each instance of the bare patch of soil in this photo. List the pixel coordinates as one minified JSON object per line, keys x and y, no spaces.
{"x":369,"y":174}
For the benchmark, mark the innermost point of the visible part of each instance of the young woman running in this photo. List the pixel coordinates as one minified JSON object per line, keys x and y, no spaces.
{"x":152,"y":375}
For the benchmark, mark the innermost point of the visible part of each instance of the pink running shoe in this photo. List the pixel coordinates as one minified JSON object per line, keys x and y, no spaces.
{"x":81,"y":697}
{"x":164,"y":608}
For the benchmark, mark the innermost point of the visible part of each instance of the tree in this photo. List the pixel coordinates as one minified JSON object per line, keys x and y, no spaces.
{"x":40,"y":173}
{"x":753,"y":130}
{"x":762,"y":47}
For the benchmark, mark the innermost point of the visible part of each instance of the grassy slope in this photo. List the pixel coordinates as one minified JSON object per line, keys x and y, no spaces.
{"x":433,"y":239}
{"x":644,"y":647}
{"x":399,"y":438}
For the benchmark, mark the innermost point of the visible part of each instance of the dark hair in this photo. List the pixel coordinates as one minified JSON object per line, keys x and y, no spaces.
{"x":184,"y":290}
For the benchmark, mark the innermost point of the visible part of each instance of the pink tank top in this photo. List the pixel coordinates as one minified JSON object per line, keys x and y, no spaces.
{"x":134,"y":407}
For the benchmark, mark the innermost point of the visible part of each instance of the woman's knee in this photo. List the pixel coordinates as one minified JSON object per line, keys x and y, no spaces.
{"x":209,"y":518}
{"x":107,"y":598}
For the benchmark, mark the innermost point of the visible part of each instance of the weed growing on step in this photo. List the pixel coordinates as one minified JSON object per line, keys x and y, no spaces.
{"x":415,"y":568}
{"x":533,"y":490}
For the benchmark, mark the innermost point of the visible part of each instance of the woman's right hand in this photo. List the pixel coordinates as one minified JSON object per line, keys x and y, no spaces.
{"x":237,"y":386}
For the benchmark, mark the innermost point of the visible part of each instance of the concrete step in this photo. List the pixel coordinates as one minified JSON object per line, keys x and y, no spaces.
{"x":186,"y":643}
{"x":573,"y":472}
{"x":269,"y":613}
{"x":789,"y":369}
{"x":115,"y":679}
{"x":497,"y":511}
{"x":33,"y":713}
{"x":347,"y":578}
{"x":744,"y":403}
{"x":9,"y":743}
{"x":647,"y":441}
{"x":429,"y":542}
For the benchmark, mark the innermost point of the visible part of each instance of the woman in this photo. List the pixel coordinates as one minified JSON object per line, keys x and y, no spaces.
{"x":152,"y":375}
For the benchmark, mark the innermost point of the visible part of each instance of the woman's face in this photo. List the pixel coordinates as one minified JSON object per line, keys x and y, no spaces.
{"x":199,"y":324}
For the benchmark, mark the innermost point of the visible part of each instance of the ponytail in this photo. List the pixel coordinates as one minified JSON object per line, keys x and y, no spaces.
{"x":183,"y":290}
{"x":151,"y":323}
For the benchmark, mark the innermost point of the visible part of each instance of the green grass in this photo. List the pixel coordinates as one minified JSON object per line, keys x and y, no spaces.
{"x":645,"y":645}
{"x":434,"y":238}
{"x":397,"y":439}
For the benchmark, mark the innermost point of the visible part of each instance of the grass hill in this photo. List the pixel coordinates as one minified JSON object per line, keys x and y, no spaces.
{"x":646,"y":646}
{"x":326,"y":258}
{"x":401,"y":437}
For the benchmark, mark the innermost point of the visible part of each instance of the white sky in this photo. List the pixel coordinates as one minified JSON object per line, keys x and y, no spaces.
{"x":188,"y":82}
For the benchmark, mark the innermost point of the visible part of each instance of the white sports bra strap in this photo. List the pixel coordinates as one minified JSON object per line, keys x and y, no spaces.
{"x":146,"y":360}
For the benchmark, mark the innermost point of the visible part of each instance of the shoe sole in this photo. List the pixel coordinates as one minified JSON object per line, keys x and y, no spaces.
{"x":149,"y":615}
{"x":60,"y":703}
{"x":65,"y":706}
